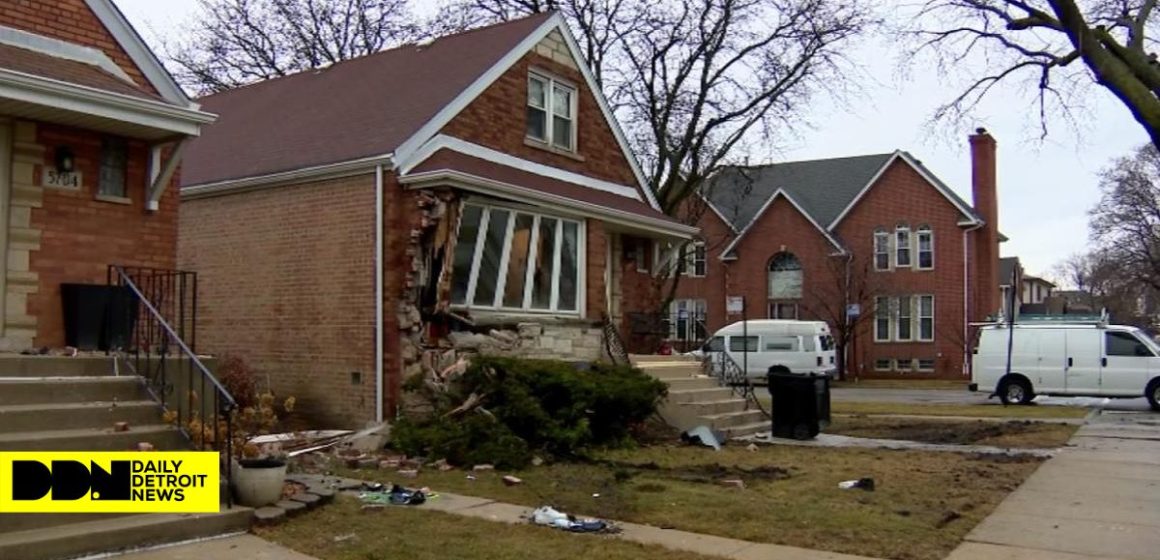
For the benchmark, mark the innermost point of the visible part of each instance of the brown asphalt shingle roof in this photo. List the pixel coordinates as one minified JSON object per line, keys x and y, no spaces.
{"x":74,"y":72}
{"x":354,"y":109}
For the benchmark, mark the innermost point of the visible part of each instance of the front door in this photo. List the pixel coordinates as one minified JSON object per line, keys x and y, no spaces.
{"x":1085,"y":360}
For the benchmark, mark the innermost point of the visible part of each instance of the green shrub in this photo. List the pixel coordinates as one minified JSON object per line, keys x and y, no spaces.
{"x":550,"y":407}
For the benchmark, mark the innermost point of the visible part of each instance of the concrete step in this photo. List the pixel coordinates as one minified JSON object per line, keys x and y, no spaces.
{"x":682,"y":396}
{"x":15,"y":365}
{"x":691,"y":383}
{"x":46,"y":390}
{"x":119,"y":533}
{"x":746,"y":429}
{"x":711,"y":408}
{"x":66,"y":416}
{"x":12,"y":522}
{"x":163,"y":438}
{"x":640,"y":359}
{"x":732,"y":419}
{"x":666,"y":372}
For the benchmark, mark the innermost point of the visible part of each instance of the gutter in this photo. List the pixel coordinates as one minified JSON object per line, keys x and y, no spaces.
{"x":966,"y":299}
{"x":378,"y":260}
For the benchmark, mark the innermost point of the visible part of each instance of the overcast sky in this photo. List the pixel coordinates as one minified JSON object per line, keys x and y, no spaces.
{"x":1045,"y":187}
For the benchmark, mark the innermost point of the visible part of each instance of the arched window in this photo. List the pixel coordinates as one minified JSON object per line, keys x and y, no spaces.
{"x":785,"y":277}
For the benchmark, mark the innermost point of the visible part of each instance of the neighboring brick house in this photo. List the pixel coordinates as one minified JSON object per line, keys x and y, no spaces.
{"x":805,"y":240}
{"x":90,"y":132}
{"x":353,"y":226}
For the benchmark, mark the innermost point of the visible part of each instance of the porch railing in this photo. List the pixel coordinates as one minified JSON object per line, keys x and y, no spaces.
{"x":158,"y":323}
{"x":613,"y":343}
{"x":722,"y":367}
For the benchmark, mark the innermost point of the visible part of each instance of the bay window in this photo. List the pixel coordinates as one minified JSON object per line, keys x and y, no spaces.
{"x":516,"y":260}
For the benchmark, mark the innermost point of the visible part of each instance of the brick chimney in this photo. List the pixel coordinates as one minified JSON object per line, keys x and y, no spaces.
{"x":986,"y":245}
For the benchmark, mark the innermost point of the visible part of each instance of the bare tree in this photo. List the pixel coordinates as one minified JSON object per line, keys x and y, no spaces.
{"x":695,"y":81}
{"x":1126,"y":221}
{"x":1039,"y":42}
{"x":1105,"y":284}
{"x":235,"y":42}
{"x":848,"y":280}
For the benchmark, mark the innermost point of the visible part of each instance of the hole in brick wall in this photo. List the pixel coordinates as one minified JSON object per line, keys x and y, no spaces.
{"x":356,"y":378}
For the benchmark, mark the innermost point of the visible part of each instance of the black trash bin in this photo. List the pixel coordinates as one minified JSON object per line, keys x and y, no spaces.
{"x":97,"y":316}
{"x":801,"y":404}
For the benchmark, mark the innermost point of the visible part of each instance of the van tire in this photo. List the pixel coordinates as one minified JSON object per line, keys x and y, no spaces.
{"x":1153,"y":394}
{"x":1015,"y":389}
{"x":779,"y":369}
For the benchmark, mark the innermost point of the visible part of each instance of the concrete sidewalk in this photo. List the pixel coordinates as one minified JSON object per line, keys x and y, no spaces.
{"x":678,"y":540}
{"x":245,"y":546}
{"x":1097,"y":498}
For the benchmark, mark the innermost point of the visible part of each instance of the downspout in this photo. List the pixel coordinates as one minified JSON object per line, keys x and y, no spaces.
{"x":378,"y":293}
{"x":966,"y":302}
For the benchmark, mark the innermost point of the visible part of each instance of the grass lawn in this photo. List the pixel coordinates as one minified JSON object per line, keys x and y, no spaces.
{"x":943,"y":384}
{"x":415,"y":534}
{"x":924,"y":503}
{"x":1020,"y":433}
{"x":977,"y":410}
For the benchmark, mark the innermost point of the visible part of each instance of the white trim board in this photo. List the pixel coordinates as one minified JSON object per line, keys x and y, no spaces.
{"x":98,"y":102}
{"x":781,"y":192}
{"x":415,"y":142}
{"x":284,"y":178}
{"x":62,"y":49}
{"x":140,"y":53}
{"x":443,"y":141}
{"x":483,"y":185}
{"x":967,"y":213}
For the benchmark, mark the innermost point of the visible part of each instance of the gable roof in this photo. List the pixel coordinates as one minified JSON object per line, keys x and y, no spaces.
{"x":725,"y":255}
{"x":354,"y":109}
{"x":825,"y":190}
{"x":139,"y":52}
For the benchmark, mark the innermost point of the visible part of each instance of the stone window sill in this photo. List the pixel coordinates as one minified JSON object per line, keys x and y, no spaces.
{"x":493,"y":318}
{"x":114,"y":199}
{"x":532,"y":142}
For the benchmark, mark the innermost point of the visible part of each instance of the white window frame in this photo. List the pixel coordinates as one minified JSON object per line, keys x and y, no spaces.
{"x":899,"y":246}
{"x":919,"y":317}
{"x":918,"y":365}
{"x":695,"y":254}
{"x":501,"y":281}
{"x":927,"y":232}
{"x":882,"y":246}
{"x":771,"y":314}
{"x":889,"y":364}
{"x":883,"y":309}
{"x":692,"y":307}
{"x":907,"y":319}
{"x":550,"y":84}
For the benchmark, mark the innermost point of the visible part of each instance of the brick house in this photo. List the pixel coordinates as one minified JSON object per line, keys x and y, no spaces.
{"x":354,"y":224}
{"x":91,"y":130}
{"x":805,"y":240}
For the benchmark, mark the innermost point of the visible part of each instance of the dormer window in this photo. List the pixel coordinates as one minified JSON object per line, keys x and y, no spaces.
{"x":551,"y":112}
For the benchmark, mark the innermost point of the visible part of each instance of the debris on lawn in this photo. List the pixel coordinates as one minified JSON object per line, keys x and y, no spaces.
{"x":483,"y":468}
{"x":732,"y":483}
{"x":510,"y":480}
{"x":408,"y":473}
{"x":346,"y":537}
{"x":120,"y":426}
{"x":550,"y":517}
{"x":370,"y":440}
{"x":398,"y":496}
{"x":470,"y":477}
{"x":866,"y":484}
{"x":752,"y":447}
{"x":947,"y":519}
{"x":536,"y":461}
{"x":704,"y":436}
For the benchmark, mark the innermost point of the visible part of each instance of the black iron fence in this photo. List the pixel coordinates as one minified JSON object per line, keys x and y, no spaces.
{"x":158,"y":322}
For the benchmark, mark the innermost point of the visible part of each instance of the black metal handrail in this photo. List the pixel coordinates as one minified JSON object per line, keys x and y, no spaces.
{"x":158,"y":352}
{"x":724,"y":368}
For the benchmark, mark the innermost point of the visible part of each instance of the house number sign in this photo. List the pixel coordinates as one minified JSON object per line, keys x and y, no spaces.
{"x":64,"y":179}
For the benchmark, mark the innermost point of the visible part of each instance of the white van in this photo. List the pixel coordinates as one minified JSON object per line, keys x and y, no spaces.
{"x":775,"y":346}
{"x":1067,"y":359}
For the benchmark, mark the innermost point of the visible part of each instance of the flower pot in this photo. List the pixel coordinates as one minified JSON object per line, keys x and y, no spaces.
{"x":258,"y":482}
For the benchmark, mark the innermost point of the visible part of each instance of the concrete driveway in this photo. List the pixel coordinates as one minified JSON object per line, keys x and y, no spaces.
{"x":1098,"y":498}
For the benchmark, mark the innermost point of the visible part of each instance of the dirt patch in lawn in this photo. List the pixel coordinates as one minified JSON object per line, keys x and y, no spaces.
{"x":974,"y":410}
{"x":1019,"y":434}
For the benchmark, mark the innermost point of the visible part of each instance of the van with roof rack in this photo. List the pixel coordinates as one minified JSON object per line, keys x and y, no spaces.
{"x":1066,"y":357}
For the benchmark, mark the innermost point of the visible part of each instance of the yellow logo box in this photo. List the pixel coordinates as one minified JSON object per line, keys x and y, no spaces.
{"x":109,"y":482}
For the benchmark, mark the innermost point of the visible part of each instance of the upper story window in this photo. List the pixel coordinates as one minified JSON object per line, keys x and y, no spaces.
{"x":785,"y":277}
{"x":902,"y":246}
{"x":695,"y":263}
{"x":551,"y":112}
{"x":881,"y":249}
{"x":925,"y":238}
{"x":114,"y":167}
{"x":509,"y":259}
